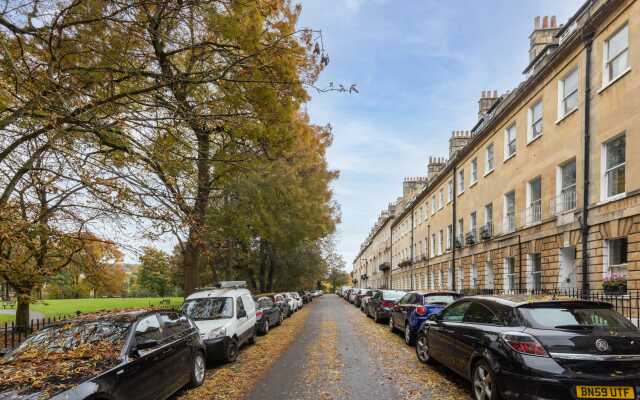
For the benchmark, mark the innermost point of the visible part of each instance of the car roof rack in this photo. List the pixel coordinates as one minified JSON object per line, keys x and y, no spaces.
{"x":225,"y":285}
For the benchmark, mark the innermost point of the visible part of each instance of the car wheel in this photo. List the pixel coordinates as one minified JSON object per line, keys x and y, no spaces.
{"x":252,"y":339}
{"x":391,"y":327}
{"x":280,"y":319}
{"x":484,"y":384}
{"x":265,"y":328}
{"x":422,"y":349}
{"x":376,"y":317}
{"x":199,"y":367}
{"x":231,"y":351}
{"x":408,"y":336}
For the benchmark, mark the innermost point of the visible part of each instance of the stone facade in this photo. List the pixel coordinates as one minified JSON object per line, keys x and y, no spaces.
{"x":506,"y":210}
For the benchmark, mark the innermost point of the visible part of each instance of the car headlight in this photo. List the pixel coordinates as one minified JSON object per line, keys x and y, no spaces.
{"x":216,"y":333}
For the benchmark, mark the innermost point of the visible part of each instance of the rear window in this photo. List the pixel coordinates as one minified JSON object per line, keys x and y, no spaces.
{"x":575,"y":318}
{"x":392,"y":295}
{"x":444,"y":299}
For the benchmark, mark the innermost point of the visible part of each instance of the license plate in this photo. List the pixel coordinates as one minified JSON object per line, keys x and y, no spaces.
{"x":605,"y":392}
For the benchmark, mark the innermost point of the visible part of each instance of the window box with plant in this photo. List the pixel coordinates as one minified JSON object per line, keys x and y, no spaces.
{"x":615,"y":284}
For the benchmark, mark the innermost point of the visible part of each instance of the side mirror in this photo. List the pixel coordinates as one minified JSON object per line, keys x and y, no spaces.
{"x":434,"y":317}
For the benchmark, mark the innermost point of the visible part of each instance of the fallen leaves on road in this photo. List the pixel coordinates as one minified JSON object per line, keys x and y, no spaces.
{"x":236,"y":380}
{"x":413,"y":379}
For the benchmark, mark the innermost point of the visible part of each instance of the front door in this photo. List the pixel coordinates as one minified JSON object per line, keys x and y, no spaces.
{"x":567,"y":275}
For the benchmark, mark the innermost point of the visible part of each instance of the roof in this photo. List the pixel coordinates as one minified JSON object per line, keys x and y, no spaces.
{"x":523,"y":300}
{"x":230,"y":292}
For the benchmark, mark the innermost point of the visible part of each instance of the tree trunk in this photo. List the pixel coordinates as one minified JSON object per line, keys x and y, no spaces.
{"x":271,"y":270}
{"x":190,"y":263}
{"x":22,"y":310}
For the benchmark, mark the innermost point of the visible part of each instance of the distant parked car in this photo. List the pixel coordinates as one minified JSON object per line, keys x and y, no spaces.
{"x":415,"y":308}
{"x":106,"y":356}
{"x":516,"y":348}
{"x":353,"y":293}
{"x":283,"y":303}
{"x":297,"y":298}
{"x":226,"y":317}
{"x":382,"y":302}
{"x":357,"y":299}
{"x":365,"y":299}
{"x":268,"y":314}
{"x":293,"y":303}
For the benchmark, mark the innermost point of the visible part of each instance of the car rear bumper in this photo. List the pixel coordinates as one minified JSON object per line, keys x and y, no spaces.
{"x":215,"y":348}
{"x":528,"y":387}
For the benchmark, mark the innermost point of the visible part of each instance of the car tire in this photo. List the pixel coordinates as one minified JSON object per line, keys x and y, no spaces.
{"x":231,"y":351}
{"x":409,"y":338}
{"x":376,"y":317}
{"x":265,"y":327}
{"x":280,"y":319}
{"x":198,"y":371}
{"x":253,"y":338}
{"x":392,"y":328}
{"x":422,"y":349}
{"x":483,"y":383}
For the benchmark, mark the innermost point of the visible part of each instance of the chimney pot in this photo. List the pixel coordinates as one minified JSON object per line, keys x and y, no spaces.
{"x":545,"y":22}
{"x":536,"y":22}
{"x":554,"y":22}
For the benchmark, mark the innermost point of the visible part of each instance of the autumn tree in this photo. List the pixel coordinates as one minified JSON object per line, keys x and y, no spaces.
{"x":154,"y":273}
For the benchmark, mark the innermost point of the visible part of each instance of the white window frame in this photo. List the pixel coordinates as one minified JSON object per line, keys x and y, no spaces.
{"x":509,"y":278}
{"x":488,"y":275}
{"x":532,"y":123}
{"x":449,"y":191}
{"x":562,"y":97}
{"x":441,"y":203}
{"x":607,"y":266}
{"x":474,"y":276}
{"x":607,"y":78}
{"x":530,"y":204}
{"x":489,"y":162}
{"x":473,"y":178}
{"x":460,"y":181}
{"x":449,"y":236}
{"x":433,"y":204}
{"x":512,"y":128}
{"x":440,"y":242}
{"x":604,"y":174}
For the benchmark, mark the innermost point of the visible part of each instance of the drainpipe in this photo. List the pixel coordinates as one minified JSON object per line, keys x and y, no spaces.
{"x":428,"y":247}
{"x":584,"y":224}
{"x":411,"y":270}
{"x":520,"y":264}
{"x":391,"y":256}
{"x":453,"y":228}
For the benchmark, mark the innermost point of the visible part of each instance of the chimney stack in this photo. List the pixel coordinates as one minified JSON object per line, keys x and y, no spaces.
{"x":434,"y":166}
{"x":544,"y":34}
{"x":487,"y":100}
{"x":458,"y":140}
{"x":412,"y":185}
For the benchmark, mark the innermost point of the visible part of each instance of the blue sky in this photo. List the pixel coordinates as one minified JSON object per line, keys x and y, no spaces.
{"x":420,"y":66}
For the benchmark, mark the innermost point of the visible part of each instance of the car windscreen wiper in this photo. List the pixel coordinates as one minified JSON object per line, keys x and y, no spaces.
{"x":575,"y":327}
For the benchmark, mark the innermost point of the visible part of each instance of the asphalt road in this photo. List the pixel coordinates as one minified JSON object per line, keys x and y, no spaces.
{"x":341,"y":354}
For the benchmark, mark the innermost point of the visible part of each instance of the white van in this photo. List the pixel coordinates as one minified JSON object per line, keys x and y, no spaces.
{"x":225,"y":316}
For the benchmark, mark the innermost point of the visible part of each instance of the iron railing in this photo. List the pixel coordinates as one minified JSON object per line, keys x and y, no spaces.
{"x":533,"y":213}
{"x":564,"y":202}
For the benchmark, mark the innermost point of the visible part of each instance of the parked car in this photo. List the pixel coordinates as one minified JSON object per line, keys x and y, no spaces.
{"x":352,"y":295}
{"x":306,"y":296}
{"x":298,"y":298}
{"x":293,"y":303}
{"x":381,"y":303}
{"x":365,"y":299}
{"x":357,"y":299}
{"x":414,"y":308}
{"x":106,"y":356}
{"x":226,"y":317}
{"x":515,"y":348}
{"x":283,"y":303}
{"x":268,"y":314}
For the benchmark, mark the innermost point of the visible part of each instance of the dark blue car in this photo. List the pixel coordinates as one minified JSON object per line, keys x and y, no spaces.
{"x":414,"y":308}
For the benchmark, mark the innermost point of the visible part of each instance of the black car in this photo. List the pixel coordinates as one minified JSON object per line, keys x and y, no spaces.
{"x":268,"y":314}
{"x":381,"y":303}
{"x":553,"y":350}
{"x":140,"y":354}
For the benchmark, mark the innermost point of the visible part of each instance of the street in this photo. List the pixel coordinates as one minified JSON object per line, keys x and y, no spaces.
{"x":342,"y":354}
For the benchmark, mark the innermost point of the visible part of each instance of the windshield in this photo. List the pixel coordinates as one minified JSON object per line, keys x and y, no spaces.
{"x":208,"y":308}
{"x":439,"y":299}
{"x":392,"y":295}
{"x":71,"y":336}
{"x":575,"y":318}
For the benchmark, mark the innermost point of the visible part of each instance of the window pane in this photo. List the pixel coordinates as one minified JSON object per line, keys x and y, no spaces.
{"x":455,"y":313}
{"x":479,"y":314}
{"x":618,"y":251}
{"x":615,"y":152}
{"x":615,"y":181}
{"x":571,"y":83}
{"x":618,"y":65}
{"x":536,"y":191}
{"x":618,"y":43}
{"x":571,"y":102}
{"x":569,"y":175}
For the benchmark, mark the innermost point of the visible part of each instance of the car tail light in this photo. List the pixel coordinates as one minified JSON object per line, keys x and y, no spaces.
{"x":524,"y":343}
{"x":386,"y":303}
{"x":258,"y":314}
{"x":421,"y":311}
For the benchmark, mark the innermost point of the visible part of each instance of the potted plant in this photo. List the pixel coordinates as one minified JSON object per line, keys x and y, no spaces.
{"x":615,"y":284}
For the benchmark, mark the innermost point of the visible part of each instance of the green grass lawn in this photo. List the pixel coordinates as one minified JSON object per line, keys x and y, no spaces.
{"x":51,"y":308}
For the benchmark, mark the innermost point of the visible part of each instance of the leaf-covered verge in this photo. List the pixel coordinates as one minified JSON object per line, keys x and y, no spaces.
{"x":65,"y":354}
{"x":236,"y":381}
